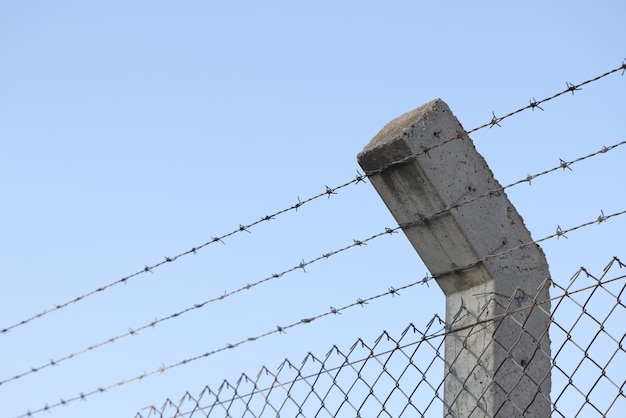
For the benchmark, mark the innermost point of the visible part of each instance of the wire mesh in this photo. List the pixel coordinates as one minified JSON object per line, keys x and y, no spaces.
{"x":405,"y":375}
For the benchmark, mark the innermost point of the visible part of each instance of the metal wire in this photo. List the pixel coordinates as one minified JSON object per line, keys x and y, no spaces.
{"x":333,"y":311}
{"x":405,"y":375}
{"x":328,"y":192}
{"x":495,"y":121}
{"x":302,"y":265}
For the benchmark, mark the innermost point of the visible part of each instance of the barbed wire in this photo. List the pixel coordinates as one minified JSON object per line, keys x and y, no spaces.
{"x":495,"y":121}
{"x":277,"y":330}
{"x":496,"y":192}
{"x":328,"y":192}
{"x":571,"y":88}
{"x":300,"y":266}
{"x":334,"y":311}
{"x":559,"y":233}
{"x":303,"y":264}
{"x":424,"y":337}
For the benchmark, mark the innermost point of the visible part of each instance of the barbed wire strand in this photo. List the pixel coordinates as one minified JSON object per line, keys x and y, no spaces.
{"x":334,"y":311}
{"x":277,"y":330}
{"x":571,"y":88}
{"x":558,"y":234}
{"x":301,"y":266}
{"x":495,"y":121}
{"x":328,"y":192}
{"x":496,"y":192}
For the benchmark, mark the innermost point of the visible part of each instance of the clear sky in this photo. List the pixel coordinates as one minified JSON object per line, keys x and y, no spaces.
{"x":131,"y":131}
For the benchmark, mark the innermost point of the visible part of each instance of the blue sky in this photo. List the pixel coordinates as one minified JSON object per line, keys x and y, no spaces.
{"x":134,"y":131}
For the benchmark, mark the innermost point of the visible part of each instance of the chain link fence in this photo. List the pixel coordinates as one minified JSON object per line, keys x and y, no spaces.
{"x":404,"y":376}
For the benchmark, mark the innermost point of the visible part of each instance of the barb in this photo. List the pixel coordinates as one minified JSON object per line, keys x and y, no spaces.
{"x":303,"y":264}
{"x":495,"y":120}
{"x":163,"y":369}
{"x":241,"y":228}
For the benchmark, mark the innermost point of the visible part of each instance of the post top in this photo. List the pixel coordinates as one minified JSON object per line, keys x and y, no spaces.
{"x":394,"y":128}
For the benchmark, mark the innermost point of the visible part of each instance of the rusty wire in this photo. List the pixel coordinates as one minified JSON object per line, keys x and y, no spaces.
{"x":333,"y":311}
{"x":303,"y":264}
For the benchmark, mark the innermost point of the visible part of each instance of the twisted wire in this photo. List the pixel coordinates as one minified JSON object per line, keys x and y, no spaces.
{"x":424,"y":337}
{"x":278,"y":330}
{"x":303,"y":264}
{"x":328,"y":192}
{"x":495,"y":121}
{"x":334,"y":311}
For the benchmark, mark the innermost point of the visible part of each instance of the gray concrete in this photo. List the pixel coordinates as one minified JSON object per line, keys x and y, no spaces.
{"x":499,"y":367}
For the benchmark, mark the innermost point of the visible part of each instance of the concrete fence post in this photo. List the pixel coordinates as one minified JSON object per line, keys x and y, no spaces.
{"x":453,"y":211}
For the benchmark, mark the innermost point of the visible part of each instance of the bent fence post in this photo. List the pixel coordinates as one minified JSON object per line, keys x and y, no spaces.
{"x":453,"y":211}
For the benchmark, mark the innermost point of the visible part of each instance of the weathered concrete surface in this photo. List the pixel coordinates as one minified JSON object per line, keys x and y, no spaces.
{"x":500,"y":367}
